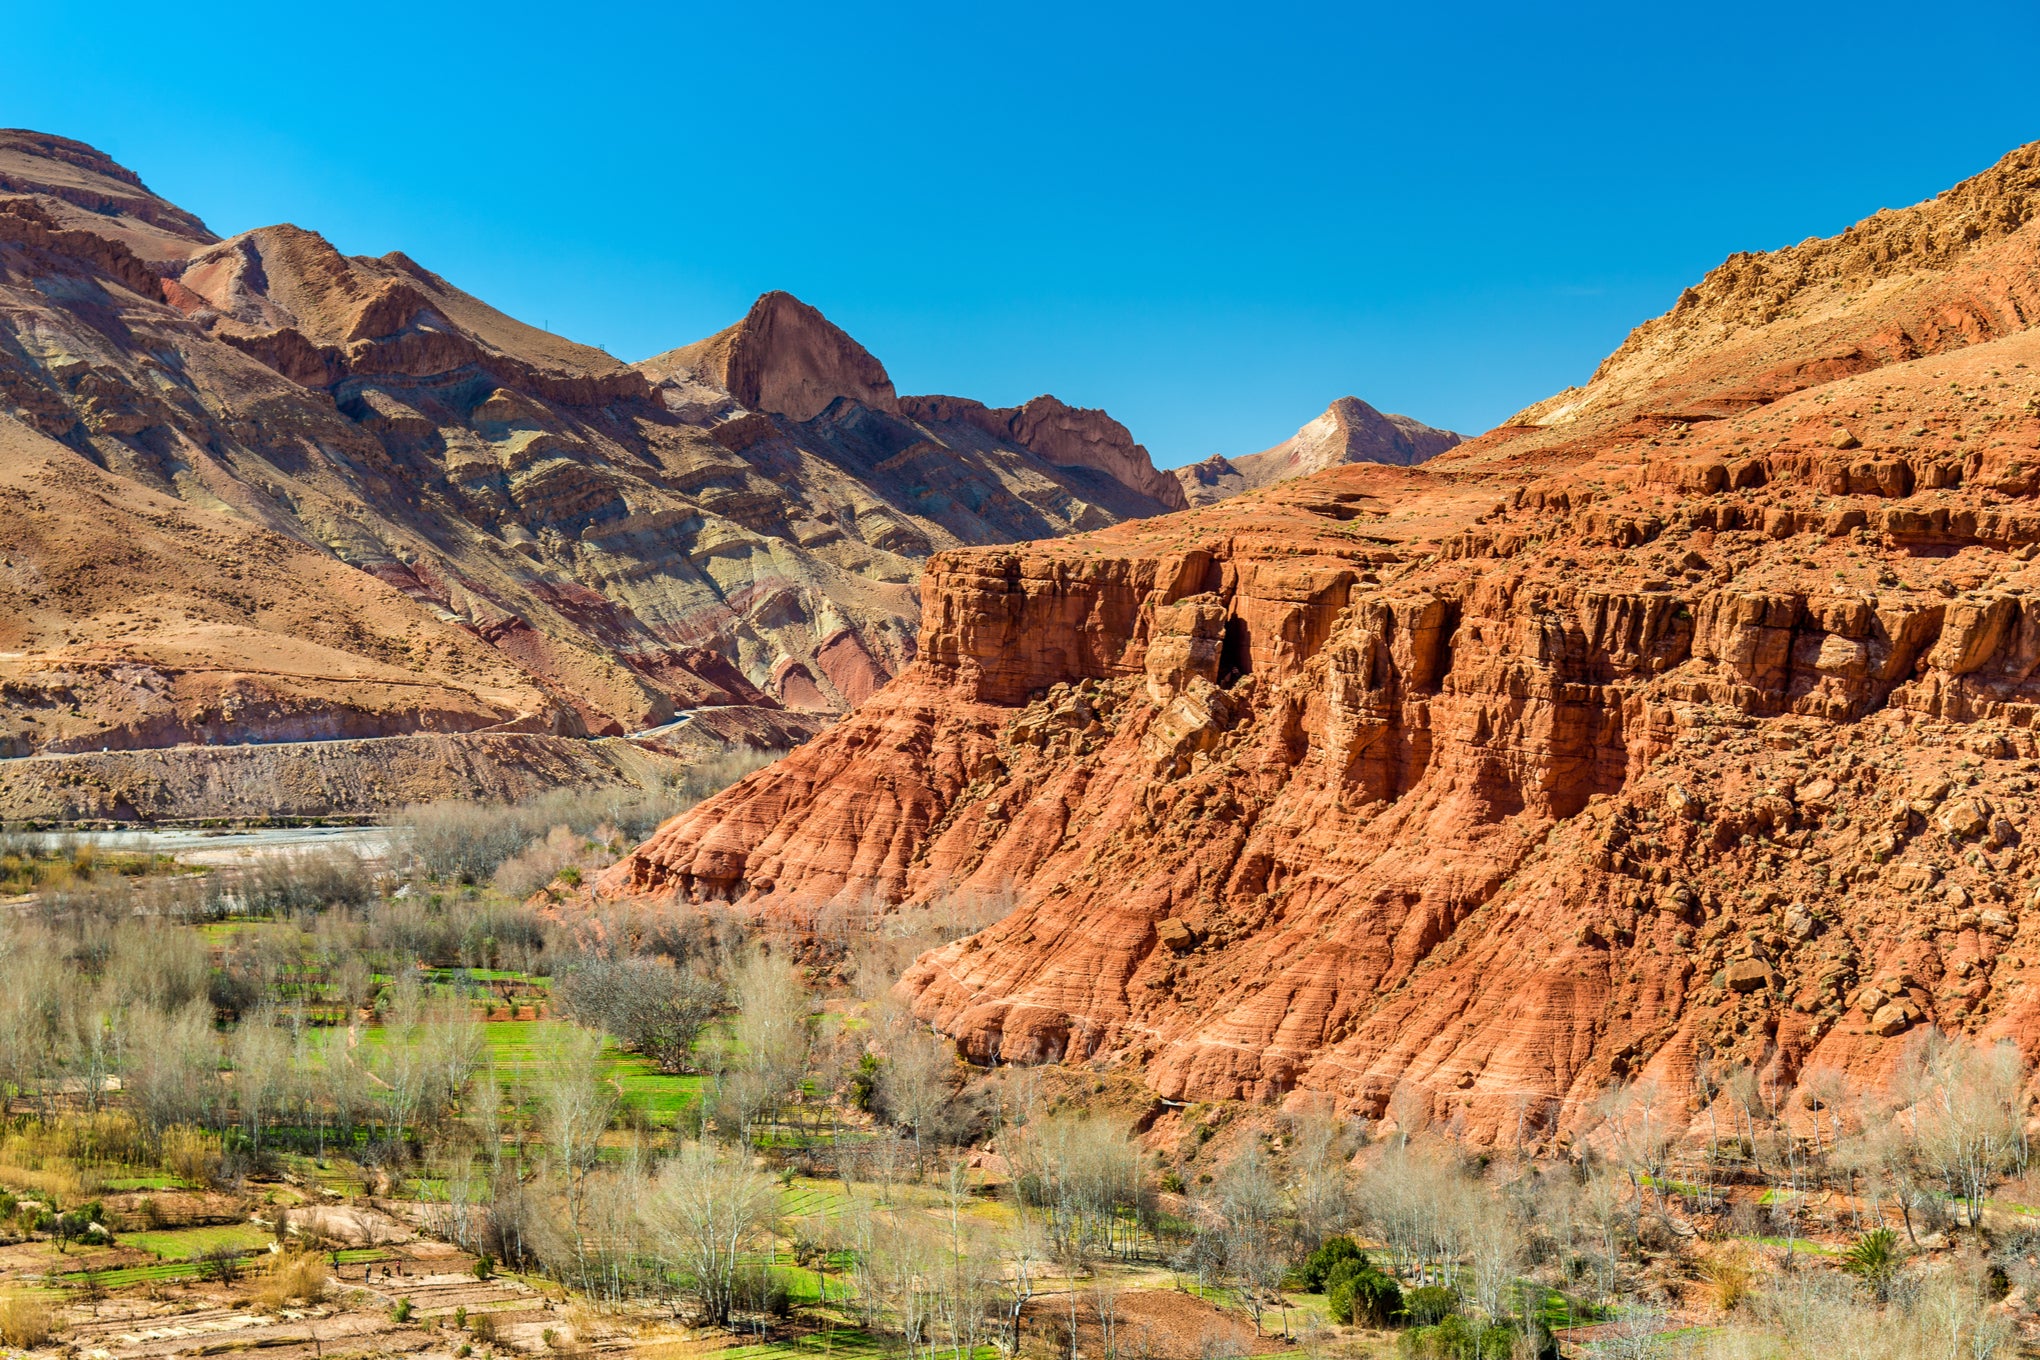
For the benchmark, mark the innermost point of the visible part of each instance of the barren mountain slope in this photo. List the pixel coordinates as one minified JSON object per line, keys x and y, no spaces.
{"x":1696,"y":720}
{"x":1349,"y":431}
{"x":617,"y":544}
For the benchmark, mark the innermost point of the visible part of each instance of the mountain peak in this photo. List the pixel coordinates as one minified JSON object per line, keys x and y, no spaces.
{"x":784,"y":357}
{"x":1348,"y":431}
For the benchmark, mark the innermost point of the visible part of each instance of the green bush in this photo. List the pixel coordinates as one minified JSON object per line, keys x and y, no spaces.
{"x":1361,"y":1294}
{"x":1458,"y":1338}
{"x":1429,"y":1304}
{"x":1334,"y":1251}
{"x":864,"y":1081}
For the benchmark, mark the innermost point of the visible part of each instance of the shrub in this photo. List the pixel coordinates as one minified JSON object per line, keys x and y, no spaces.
{"x":864,"y":1082}
{"x":1874,"y":1259}
{"x":302,"y":1275}
{"x":25,"y":1323}
{"x":192,"y":1154}
{"x":559,"y":853}
{"x":755,"y":1289}
{"x":485,"y":1266}
{"x":1458,"y":1338}
{"x":467,"y":842}
{"x":1358,"y":1293}
{"x":220,"y":1264}
{"x":482,"y":1326}
{"x":307,"y":881}
{"x":402,"y":1312}
{"x":1430,"y":1304}
{"x":1729,"y":1278}
{"x":1334,"y":1251}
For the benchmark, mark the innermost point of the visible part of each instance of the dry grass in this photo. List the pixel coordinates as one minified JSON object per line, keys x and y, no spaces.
{"x":1730,"y":1278}
{"x":52,"y":1181}
{"x":192,"y":1154}
{"x":296,"y":1275}
{"x":585,"y":1323}
{"x":25,"y":1323}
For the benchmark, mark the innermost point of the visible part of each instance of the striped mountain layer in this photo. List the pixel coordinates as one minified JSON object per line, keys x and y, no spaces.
{"x":258,"y":490}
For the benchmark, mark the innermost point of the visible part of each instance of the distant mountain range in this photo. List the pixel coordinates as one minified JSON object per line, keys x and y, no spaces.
{"x":261,"y":491}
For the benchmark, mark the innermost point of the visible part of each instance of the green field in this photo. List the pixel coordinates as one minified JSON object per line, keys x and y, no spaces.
{"x":181,"y":1244}
{"x":847,"y":1342}
{"x":164,"y":1181}
{"x":520,"y":1049}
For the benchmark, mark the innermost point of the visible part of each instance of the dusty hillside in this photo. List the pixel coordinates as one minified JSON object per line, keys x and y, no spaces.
{"x":272,"y":492}
{"x":1690,"y":715}
{"x":1349,"y":431}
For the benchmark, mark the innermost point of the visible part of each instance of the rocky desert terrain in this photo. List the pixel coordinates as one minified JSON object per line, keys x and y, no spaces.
{"x":260,"y":492}
{"x":1684,"y":722}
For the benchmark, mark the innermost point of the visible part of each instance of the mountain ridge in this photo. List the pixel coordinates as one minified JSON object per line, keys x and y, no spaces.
{"x":621,"y":543}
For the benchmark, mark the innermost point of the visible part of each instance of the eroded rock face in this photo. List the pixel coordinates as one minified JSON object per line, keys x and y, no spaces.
{"x":1067,"y":436}
{"x":785,"y":358}
{"x":1577,"y":753}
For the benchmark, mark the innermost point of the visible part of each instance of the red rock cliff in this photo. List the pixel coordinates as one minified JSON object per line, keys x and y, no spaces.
{"x":1697,"y":718}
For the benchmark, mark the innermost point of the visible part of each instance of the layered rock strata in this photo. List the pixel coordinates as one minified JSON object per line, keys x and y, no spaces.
{"x":1691,"y":717}
{"x":263,"y":491}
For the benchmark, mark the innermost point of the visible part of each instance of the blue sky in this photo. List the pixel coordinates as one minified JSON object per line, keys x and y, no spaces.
{"x":1209,"y":220}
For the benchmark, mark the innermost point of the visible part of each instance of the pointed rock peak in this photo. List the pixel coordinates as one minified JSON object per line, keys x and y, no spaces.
{"x":1349,"y":431}
{"x":784,"y":357}
{"x":1368,"y":436}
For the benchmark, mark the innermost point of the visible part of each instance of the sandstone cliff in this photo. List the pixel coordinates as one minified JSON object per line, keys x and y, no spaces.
{"x":264,"y":491}
{"x":1691,"y":715}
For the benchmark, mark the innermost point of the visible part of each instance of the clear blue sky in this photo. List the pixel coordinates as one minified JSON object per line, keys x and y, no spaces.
{"x":1209,"y":220}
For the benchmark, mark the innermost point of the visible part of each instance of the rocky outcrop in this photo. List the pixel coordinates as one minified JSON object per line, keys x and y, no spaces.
{"x":785,"y":358}
{"x":1211,"y":481}
{"x":1067,"y":436}
{"x":1573,"y":756}
{"x":85,"y":188}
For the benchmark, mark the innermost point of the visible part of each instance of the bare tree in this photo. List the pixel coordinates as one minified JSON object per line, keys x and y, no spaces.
{"x":1247,"y":1206}
{"x":706,"y":1212}
{"x":575,"y":1106}
{"x":917,"y":1085}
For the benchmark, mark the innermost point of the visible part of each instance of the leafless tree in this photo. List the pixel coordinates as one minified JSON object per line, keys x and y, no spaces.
{"x":706,"y":1213}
